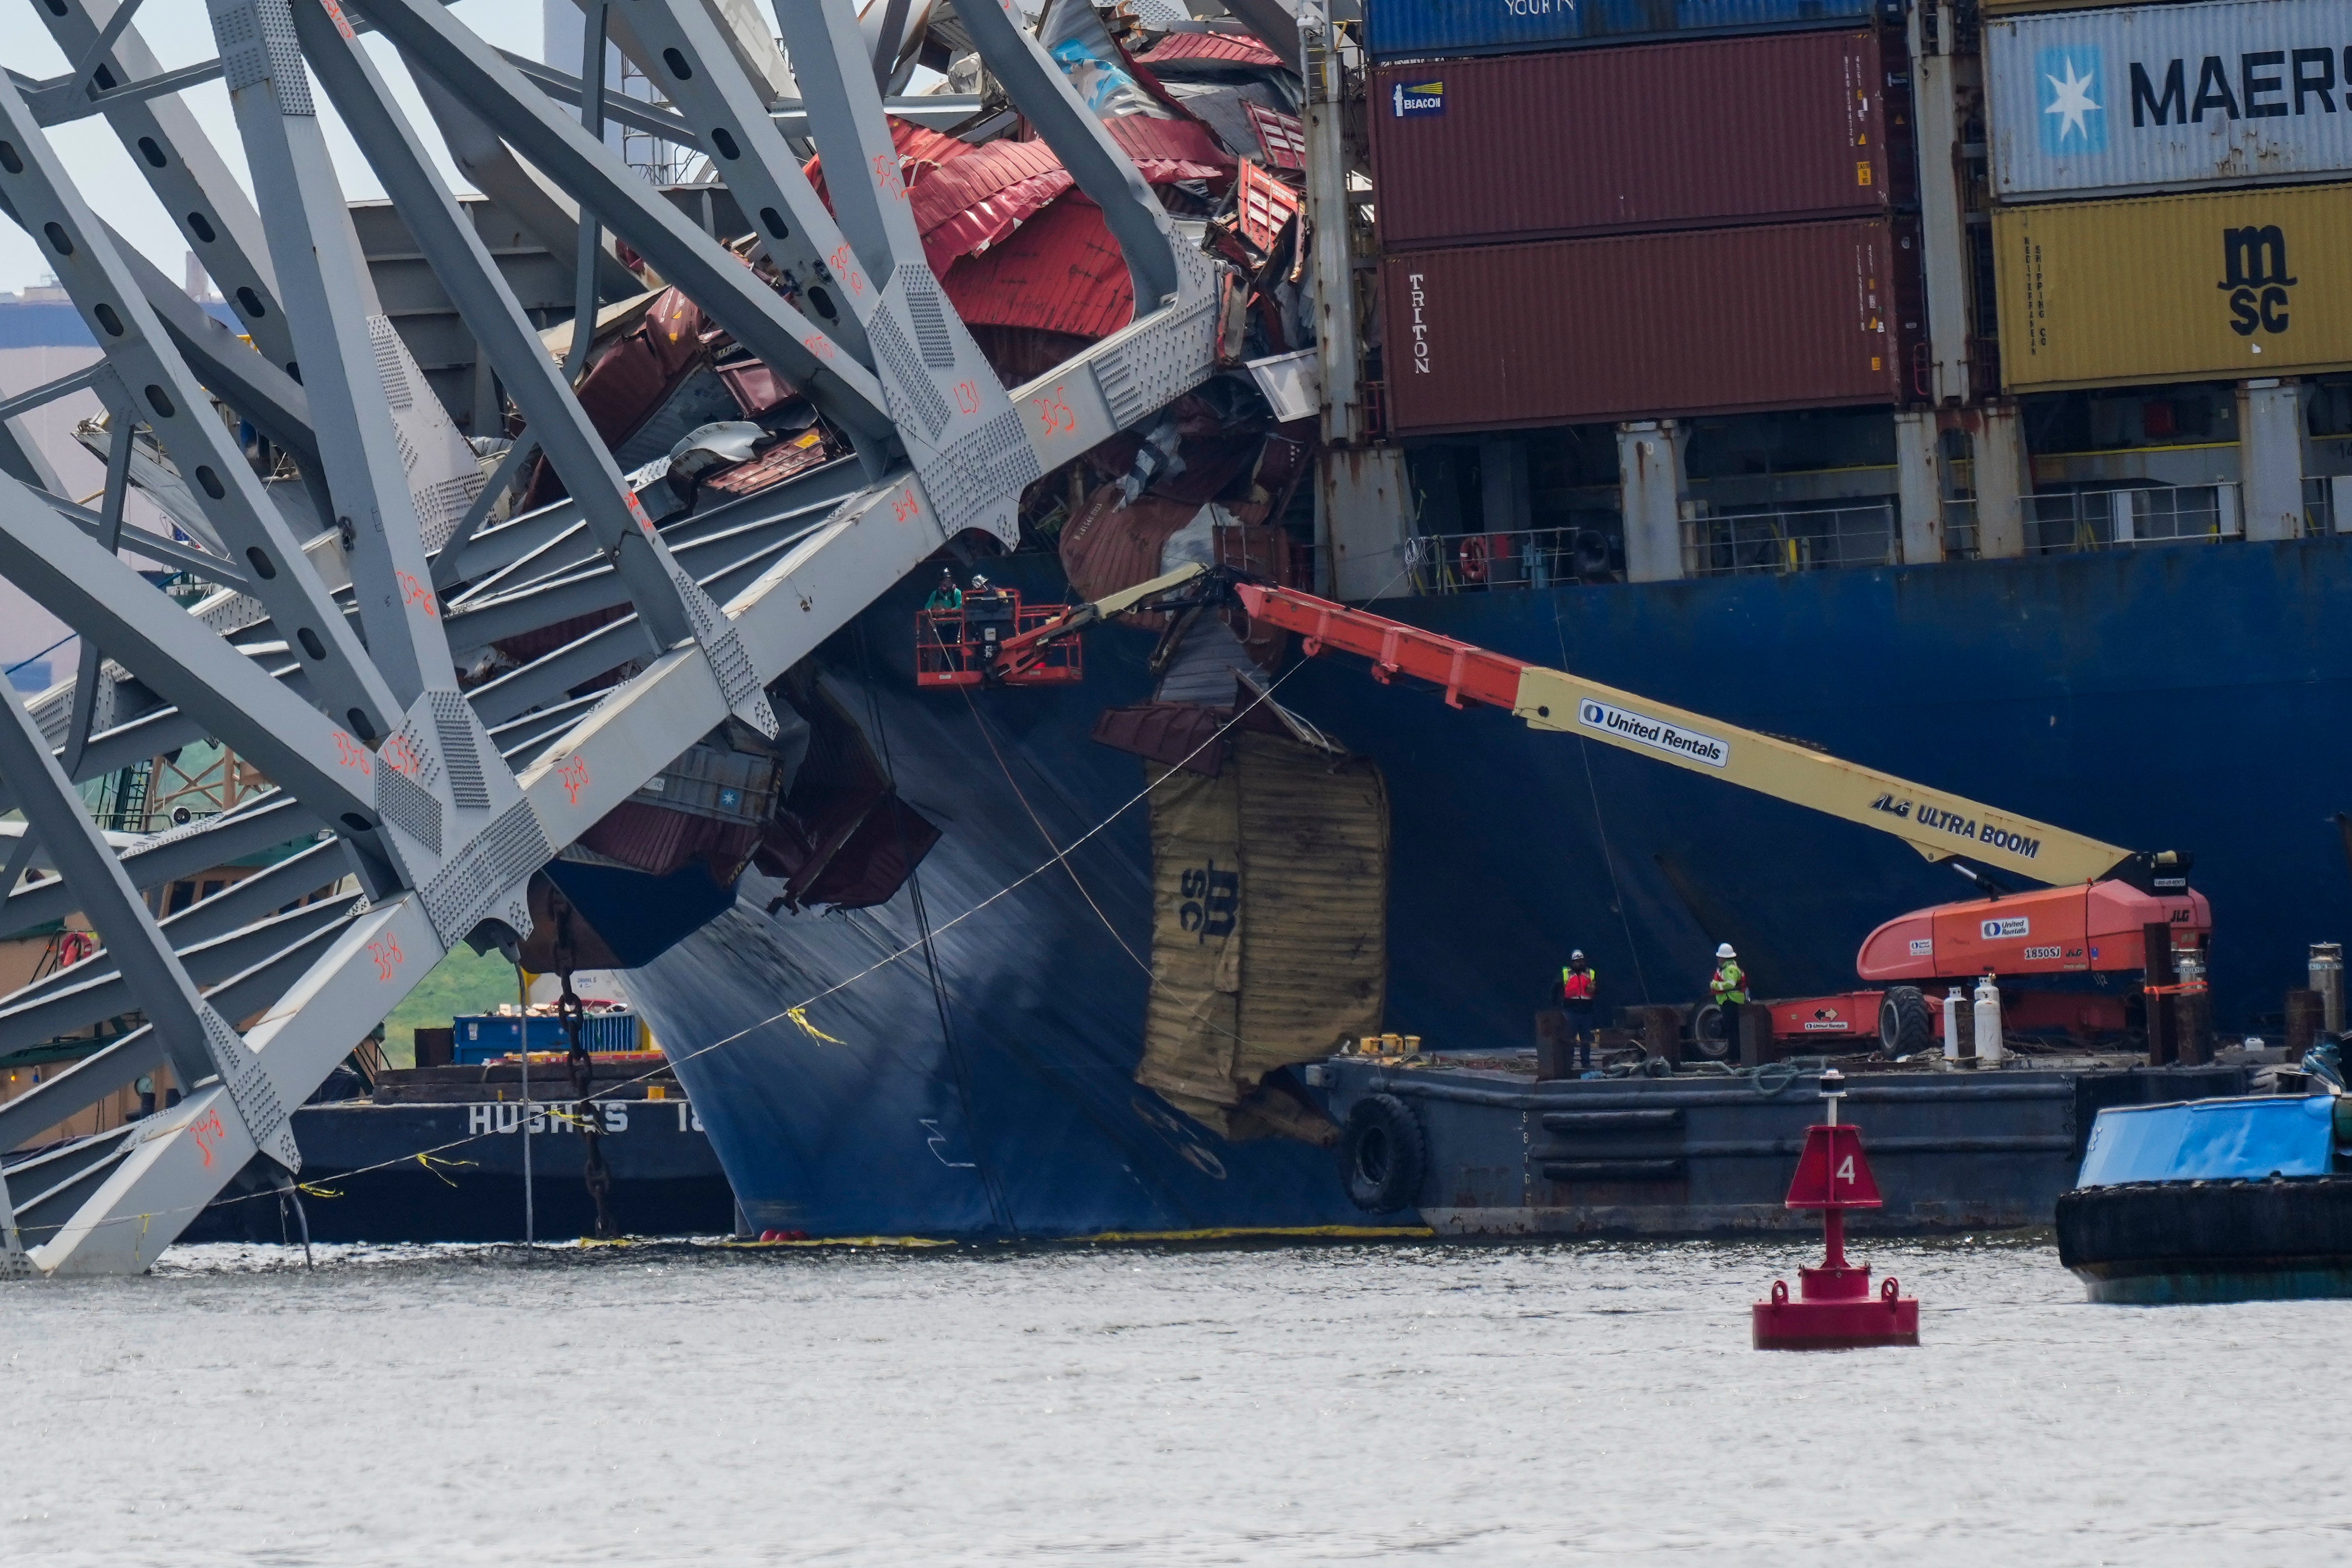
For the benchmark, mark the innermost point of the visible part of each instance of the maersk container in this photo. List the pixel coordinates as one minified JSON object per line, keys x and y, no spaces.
{"x":1530,"y":146}
{"x":2154,"y":98}
{"x":2230,"y":285}
{"x":1650,"y":325}
{"x":1435,"y":29}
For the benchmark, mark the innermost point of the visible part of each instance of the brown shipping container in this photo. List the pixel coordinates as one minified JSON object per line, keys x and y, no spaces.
{"x":1663,"y":136}
{"x":1650,"y":325}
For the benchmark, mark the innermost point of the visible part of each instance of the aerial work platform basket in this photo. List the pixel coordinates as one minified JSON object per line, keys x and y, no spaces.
{"x":955,"y":646}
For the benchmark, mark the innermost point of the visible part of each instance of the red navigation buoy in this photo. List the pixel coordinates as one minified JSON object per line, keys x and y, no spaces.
{"x":1834,"y":1308}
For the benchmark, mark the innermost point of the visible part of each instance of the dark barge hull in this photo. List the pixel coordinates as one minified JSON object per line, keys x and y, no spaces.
{"x":1713,"y":1156}
{"x":454,"y":1173}
{"x":2168,"y":1243}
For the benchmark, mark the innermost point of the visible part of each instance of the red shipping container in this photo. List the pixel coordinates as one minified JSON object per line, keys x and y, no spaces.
{"x":1650,"y":325}
{"x":1663,"y":136}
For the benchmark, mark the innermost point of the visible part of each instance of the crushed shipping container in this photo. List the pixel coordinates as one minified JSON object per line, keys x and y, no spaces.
{"x":1398,"y":29}
{"x":2168,"y":97}
{"x":1532,"y":146}
{"x":1650,"y":325}
{"x":2165,"y":288}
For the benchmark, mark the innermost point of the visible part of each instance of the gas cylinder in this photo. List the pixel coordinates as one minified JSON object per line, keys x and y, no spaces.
{"x":1952,"y":1024}
{"x":1988,"y":1011}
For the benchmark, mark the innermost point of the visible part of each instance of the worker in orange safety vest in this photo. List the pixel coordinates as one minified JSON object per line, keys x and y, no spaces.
{"x":1579,"y":994}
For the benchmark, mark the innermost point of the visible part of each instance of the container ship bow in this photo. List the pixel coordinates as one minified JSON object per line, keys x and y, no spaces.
{"x":1697,"y":351}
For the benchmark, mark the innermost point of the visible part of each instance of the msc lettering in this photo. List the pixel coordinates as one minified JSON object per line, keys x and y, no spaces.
{"x":2254,"y":275}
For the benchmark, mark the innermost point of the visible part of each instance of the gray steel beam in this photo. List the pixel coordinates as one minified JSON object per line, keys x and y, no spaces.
{"x":255,"y":899}
{"x":180,"y":165}
{"x":666,"y":598}
{"x":94,"y":1077}
{"x":53,"y":809}
{"x":486,"y":621}
{"x":967,"y":444}
{"x":105,"y":992}
{"x":437,"y":44}
{"x":181,"y":658}
{"x":1105,"y":173}
{"x":276,"y":820}
{"x":321,"y":282}
{"x":232,"y":369}
{"x":154,"y":380}
{"x":795,"y":228}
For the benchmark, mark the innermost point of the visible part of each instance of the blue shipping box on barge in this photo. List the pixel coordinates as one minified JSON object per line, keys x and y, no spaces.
{"x":485,"y":1037}
{"x":1406,"y":29}
{"x":2211,"y":1140}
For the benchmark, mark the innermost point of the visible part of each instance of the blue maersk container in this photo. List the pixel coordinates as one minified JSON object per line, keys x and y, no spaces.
{"x":1408,"y":30}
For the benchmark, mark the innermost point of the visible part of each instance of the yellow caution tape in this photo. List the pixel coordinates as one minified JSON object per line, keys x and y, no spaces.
{"x":800,"y":1016}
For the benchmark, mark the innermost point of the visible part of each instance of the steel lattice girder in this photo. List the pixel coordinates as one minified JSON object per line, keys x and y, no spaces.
{"x":942,"y":448}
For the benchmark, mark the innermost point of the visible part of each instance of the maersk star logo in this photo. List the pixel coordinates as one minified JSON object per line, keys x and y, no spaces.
{"x":2072,"y":122}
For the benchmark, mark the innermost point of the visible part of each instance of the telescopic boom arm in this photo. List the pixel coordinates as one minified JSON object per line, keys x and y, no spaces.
{"x":1940,"y":826}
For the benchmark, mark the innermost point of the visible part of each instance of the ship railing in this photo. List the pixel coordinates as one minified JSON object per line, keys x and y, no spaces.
{"x":1517,"y":558}
{"x":1790,"y":538}
{"x":2127,"y":516}
{"x":1961,"y":528}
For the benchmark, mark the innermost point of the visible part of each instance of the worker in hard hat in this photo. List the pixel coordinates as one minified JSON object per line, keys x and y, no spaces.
{"x":1729,"y":990}
{"x":1579,"y":994}
{"x":947,"y":595}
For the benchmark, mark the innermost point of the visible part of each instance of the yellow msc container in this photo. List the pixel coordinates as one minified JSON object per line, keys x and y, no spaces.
{"x":2228,"y":287}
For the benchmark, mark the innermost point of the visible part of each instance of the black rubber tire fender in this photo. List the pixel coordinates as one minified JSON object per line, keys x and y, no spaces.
{"x":1905,"y":1026}
{"x":1383,"y":1155}
{"x":1707,"y":1036}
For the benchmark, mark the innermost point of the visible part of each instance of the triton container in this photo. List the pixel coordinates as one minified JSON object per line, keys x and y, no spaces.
{"x":1535,"y":146}
{"x":2168,"y":97}
{"x":2170,"y":288}
{"x":1400,"y":30}
{"x":1649,"y":326}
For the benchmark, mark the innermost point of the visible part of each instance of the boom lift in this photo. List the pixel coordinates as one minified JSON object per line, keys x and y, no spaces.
{"x":2069,"y":956}
{"x":2070,"y":952}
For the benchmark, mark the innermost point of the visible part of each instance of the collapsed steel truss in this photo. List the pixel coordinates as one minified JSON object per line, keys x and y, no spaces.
{"x":331,"y":661}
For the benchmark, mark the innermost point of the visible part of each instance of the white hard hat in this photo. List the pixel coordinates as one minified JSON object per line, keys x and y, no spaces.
{"x":1724,"y":951}
{"x":1577,"y":957}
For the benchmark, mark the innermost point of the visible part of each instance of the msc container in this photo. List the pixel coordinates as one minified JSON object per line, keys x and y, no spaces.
{"x":1528,"y":146}
{"x":2168,"y":288}
{"x":2166,"y":97}
{"x":1428,"y":30}
{"x":1650,"y":325}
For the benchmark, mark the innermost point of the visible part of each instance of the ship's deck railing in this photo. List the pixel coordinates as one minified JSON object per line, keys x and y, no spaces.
{"x":1526,"y":558}
{"x":2155,"y":514}
{"x":1790,"y":538}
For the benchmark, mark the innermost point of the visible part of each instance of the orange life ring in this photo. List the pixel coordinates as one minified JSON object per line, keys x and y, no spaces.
{"x":1473,"y":558}
{"x":73,"y":947}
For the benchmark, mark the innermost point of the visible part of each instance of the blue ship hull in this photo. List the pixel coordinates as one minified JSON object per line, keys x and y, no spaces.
{"x":2187,"y":698}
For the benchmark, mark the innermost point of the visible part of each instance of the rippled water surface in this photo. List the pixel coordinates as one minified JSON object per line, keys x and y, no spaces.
{"x":1482,"y":1405}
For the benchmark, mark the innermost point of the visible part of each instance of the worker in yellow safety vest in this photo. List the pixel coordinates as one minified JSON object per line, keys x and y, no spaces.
{"x":1580,"y":993}
{"x":1729,"y":990}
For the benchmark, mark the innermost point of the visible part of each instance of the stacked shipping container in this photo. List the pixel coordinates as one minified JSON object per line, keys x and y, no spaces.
{"x":1638,"y":231}
{"x":2201,"y":281}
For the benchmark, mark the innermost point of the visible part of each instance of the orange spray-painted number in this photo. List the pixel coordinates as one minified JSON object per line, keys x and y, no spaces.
{"x":386,"y":955}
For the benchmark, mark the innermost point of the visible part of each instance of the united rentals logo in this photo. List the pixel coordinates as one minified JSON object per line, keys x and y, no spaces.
{"x":1412,"y":99}
{"x":2254,"y":275}
{"x":2012,"y":926}
{"x":1655,"y":734}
